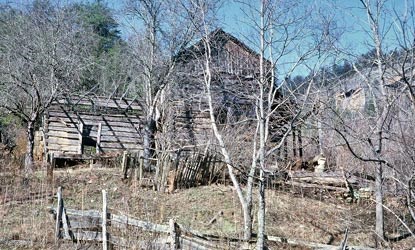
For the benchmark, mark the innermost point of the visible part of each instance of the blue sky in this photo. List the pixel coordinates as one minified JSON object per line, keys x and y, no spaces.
{"x":348,"y":15}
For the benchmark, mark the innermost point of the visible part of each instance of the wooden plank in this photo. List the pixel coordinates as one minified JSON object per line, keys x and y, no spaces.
{"x":200,"y":244}
{"x":59,"y":209}
{"x":113,"y":145}
{"x":45,"y":135}
{"x":123,"y":220}
{"x":174,"y":235}
{"x":96,"y":117}
{"x":120,"y":221}
{"x":65,"y":225}
{"x":121,"y":131}
{"x":132,"y":133}
{"x":80,"y":131}
{"x":319,"y":186}
{"x":49,"y":168}
{"x":103,"y":102}
{"x":65,"y":148}
{"x":62,"y":134}
{"x":87,"y":236}
{"x":63,"y":141}
{"x":52,"y":161}
{"x":85,"y":222}
{"x":67,"y":122}
{"x":106,"y":120}
{"x":99,"y":139}
{"x":121,"y":139}
{"x":132,"y":129}
{"x":120,"y":242}
{"x":118,"y":124}
{"x":75,"y":212}
{"x":53,"y":126}
{"x":72,"y":128}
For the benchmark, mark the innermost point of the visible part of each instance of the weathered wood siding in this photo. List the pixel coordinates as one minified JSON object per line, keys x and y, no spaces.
{"x":186,"y":124}
{"x":113,"y":124}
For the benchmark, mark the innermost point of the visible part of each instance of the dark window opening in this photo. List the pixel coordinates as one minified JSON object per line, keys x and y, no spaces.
{"x":89,"y":140}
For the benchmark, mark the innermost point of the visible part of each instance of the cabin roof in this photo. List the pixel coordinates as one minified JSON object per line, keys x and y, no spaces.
{"x":218,"y":38}
{"x":93,"y":103}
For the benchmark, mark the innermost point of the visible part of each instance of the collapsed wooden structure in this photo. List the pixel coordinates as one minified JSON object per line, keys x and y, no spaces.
{"x":80,"y":126}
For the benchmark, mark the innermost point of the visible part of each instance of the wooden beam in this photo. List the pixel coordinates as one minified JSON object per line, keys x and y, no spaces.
{"x":98,"y":146}
{"x":80,"y":131}
{"x":104,"y":221}
{"x":65,"y":224}
{"x":174,"y":235}
{"x":59,"y":209}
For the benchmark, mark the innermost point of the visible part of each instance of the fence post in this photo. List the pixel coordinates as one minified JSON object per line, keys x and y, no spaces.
{"x":52,"y":160}
{"x":104,"y":221}
{"x":59,"y":209}
{"x":49,"y":168}
{"x":140,"y":167}
{"x":124,"y":164}
{"x":343,"y":246}
{"x":174,"y":235}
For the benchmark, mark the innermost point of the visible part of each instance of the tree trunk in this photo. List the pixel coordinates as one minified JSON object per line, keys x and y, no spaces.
{"x":248,"y":198}
{"x":28,"y":163}
{"x":294,"y":145}
{"x":320,"y":137}
{"x":148,"y":141}
{"x":261,"y":212}
{"x":262,"y":134}
{"x":246,"y":202}
{"x":300,"y":144}
{"x":379,"y":201}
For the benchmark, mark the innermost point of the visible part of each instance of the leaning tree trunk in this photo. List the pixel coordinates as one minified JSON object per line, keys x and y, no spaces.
{"x":28,"y":163}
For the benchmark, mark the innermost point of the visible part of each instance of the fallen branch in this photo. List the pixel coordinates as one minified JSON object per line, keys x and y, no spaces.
{"x":311,"y":185}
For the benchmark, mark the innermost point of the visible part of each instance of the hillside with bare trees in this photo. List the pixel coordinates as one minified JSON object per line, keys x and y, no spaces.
{"x":219,"y":124}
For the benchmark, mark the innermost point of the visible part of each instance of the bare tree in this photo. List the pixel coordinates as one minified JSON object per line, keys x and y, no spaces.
{"x":280,"y":29}
{"x":43,"y":51}
{"x":164,"y":32}
{"x":380,"y":128}
{"x":203,"y":20}
{"x":268,"y":102}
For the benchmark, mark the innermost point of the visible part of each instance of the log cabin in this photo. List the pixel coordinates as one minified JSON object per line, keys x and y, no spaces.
{"x":81,"y":127}
{"x":235,"y":73}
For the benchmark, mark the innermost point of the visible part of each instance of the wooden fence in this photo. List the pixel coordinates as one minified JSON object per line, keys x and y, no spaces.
{"x":105,"y":227}
{"x":173,"y":171}
{"x":189,"y":170}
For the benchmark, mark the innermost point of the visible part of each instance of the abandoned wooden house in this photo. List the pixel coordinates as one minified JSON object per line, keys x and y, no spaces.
{"x":235,"y":70}
{"x":88,"y":126}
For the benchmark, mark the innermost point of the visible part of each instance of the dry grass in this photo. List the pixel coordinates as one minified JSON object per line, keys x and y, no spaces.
{"x":311,"y":217}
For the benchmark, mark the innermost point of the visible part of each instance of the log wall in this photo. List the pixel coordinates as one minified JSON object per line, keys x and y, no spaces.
{"x":114,"y":126}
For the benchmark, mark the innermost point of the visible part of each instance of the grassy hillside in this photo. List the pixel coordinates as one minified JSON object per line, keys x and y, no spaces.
{"x":309,"y":215}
